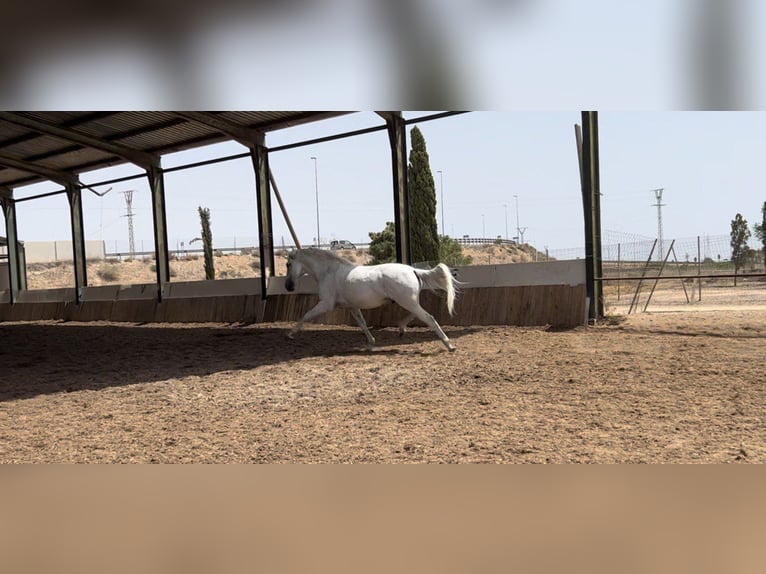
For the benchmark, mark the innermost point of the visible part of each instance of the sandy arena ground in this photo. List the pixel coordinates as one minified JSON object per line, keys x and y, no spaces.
{"x":655,"y":387}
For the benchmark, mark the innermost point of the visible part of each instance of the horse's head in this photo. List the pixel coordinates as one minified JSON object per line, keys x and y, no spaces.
{"x":294,"y":270}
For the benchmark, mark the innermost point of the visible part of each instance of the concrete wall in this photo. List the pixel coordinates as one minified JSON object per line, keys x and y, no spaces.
{"x":551,"y":293}
{"x":46,"y":251}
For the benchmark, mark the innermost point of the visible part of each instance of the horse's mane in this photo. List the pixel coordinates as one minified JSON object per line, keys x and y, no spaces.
{"x":325,"y":255}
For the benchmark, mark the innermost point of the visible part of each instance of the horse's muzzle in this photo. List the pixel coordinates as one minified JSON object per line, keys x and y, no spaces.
{"x":290,"y":285}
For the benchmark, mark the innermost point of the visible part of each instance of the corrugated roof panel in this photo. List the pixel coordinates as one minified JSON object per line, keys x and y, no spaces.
{"x":77,"y":157}
{"x":246,"y":118}
{"x":162,"y":132}
{"x":172,"y":136}
{"x":9,"y":174}
{"x":10,"y":132}
{"x":55,"y":118}
{"x":125,"y":122}
{"x":36,"y":147}
{"x":275,"y":120}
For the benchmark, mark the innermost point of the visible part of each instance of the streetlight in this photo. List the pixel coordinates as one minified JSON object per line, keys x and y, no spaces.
{"x":316,"y":191}
{"x":441,"y":198}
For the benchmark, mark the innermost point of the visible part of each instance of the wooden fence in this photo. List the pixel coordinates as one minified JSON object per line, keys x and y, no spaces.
{"x":492,"y":295}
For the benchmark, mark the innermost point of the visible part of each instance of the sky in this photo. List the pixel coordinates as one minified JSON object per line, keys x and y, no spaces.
{"x":389,"y":54}
{"x":710,"y":165}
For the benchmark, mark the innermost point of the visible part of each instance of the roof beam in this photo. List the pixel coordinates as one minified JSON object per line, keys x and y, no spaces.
{"x":388,"y":115}
{"x":61,"y":177}
{"x":138,"y":157}
{"x":243,"y":135}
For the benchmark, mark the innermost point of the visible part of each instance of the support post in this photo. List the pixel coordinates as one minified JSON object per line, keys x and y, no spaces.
{"x":74,"y":195}
{"x":260,"y":157}
{"x":159,"y":220}
{"x":659,"y":273}
{"x":16,"y":273}
{"x":637,"y":294}
{"x":397,"y":134}
{"x":619,"y":274}
{"x":589,"y":173}
{"x":699,"y":270}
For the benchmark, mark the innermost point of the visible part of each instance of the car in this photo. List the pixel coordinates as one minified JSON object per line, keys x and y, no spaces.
{"x":341,"y":244}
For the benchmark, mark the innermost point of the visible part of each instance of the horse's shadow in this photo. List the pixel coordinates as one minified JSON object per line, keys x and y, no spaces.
{"x":51,"y":358}
{"x":388,"y":341}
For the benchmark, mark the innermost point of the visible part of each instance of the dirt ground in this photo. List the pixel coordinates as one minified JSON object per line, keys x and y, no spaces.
{"x":657,"y":387}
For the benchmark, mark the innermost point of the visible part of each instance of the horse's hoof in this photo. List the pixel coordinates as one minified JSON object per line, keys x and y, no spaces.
{"x":452,"y":348}
{"x":291,"y":336}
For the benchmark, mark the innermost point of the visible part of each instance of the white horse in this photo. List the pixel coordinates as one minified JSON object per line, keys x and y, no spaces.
{"x":355,"y":287}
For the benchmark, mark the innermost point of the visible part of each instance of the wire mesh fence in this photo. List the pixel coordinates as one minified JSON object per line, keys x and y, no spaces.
{"x":681,"y":271}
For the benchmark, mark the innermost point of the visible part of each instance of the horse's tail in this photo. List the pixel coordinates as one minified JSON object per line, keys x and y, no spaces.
{"x":440,"y":277}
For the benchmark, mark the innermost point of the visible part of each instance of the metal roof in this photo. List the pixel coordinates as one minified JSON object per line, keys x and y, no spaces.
{"x":37,"y":146}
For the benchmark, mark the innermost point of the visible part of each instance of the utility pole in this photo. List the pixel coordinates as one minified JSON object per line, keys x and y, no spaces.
{"x":129,"y":215}
{"x":659,"y":205}
{"x":519,"y":230}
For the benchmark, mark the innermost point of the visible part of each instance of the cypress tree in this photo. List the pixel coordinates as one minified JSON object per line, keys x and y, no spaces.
{"x":424,"y":238}
{"x":760,"y":232}
{"x":207,"y":242}
{"x":740,"y":233}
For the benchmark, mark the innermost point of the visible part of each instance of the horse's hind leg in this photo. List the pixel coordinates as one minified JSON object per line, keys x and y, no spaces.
{"x":403,"y":324}
{"x":418,"y":311}
{"x":357,"y":314}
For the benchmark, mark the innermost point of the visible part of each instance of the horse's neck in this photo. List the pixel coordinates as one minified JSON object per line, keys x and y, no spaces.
{"x":320,"y":267}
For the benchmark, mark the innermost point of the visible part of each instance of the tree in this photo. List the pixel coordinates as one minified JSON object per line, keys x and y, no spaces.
{"x":740,"y":233}
{"x":207,"y":242}
{"x":759,"y":229}
{"x":424,"y":238}
{"x":451,"y":252}
{"x":383,"y":245}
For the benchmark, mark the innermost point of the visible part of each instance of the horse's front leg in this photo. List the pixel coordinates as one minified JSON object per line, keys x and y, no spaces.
{"x":357,"y":314}
{"x":324,"y":306}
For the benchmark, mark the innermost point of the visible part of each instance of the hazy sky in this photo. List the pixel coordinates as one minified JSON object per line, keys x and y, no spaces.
{"x":383,"y":54}
{"x":710,"y":164}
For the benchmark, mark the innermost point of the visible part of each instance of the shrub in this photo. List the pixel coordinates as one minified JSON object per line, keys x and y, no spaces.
{"x":451,"y":252}
{"x":109,"y":272}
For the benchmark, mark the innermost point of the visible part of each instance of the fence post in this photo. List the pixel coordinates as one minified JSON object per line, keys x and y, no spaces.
{"x":699,"y":270}
{"x":618,"y":271}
